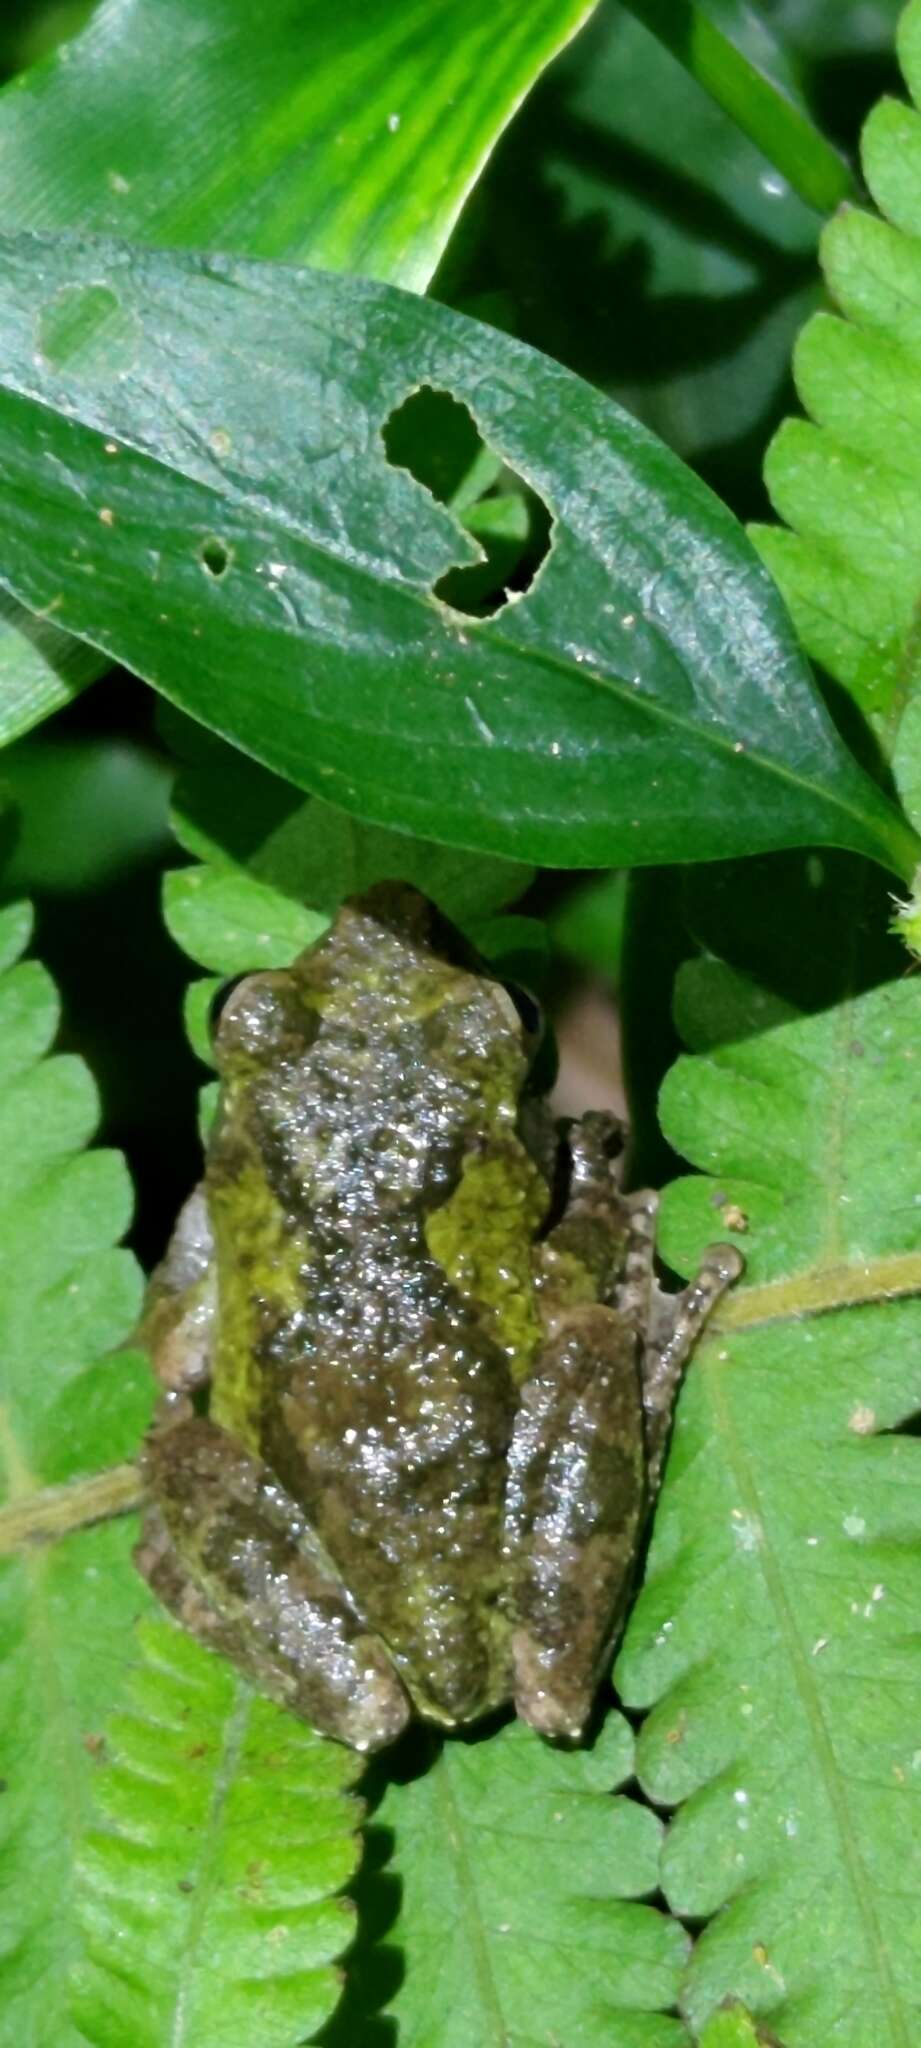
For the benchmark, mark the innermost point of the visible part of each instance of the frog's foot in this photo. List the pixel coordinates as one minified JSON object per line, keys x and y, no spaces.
{"x":574,"y":1503}
{"x":672,"y":1322}
{"x":233,"y":1558}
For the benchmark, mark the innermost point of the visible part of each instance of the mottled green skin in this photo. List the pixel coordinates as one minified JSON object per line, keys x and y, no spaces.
{"x":422,"y":1470}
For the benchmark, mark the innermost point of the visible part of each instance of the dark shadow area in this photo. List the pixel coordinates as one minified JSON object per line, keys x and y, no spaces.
{"x":123,"y":1015}
{"x":843,"y":88}
{"x":809,"y":926}
{"x":29,"y":29}
{"x":570,"y":282}
{"x":376,"y":1965}
{"x":120,"y":978}
{"x":674,"y":278}
{"x":910,"y":1427}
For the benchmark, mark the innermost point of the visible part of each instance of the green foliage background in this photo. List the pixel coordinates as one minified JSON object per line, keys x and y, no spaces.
{"x":733,"y":1859}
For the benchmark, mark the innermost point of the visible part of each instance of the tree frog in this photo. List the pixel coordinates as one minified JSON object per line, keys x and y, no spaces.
{"x":417,"y":1371}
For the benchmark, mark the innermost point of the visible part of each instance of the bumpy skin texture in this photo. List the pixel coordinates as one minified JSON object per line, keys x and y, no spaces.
{"x":424,"y":1464}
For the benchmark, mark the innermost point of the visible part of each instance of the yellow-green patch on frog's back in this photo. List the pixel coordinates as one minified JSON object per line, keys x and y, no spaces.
{"x":482,"y":1237}
{"x":260,"y":1263}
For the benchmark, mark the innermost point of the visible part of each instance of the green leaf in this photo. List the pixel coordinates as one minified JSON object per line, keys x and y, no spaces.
{"x":41,"y":669}
{"x":733,"y":55}
{"x":90,"y":808}
{"x":826,"y":29}
{"x":230,"y":812}
{"x":774,"y":1638}
{"x":206,"y":1889}
{"x":67,"y":1298}
{"x":520,"y":1880}
{"x":645,"y":700}
{"x":350,"y":138}
{"x":588,"y":924}
{"x":276,"y":866}
{"x":734,"y":2028}
{"x":208,"y":1901}
{"x":230,"y":922}
{"x":846,"y":481}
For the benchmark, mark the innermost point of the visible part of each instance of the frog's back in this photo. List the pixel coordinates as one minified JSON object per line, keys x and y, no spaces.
{"x":358,"y":1090}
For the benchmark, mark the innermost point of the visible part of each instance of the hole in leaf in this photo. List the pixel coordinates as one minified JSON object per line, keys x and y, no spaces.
{"x":86,"y":329}
{"x":215,"y":556}
{"x":435,"y":437}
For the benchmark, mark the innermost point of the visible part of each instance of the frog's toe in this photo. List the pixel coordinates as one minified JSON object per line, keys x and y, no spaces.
{"x":378,"y":1710}
{"x":550,"y":1699}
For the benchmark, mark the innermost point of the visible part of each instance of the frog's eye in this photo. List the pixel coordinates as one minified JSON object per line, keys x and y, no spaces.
{"x":258,"y":1014}
{"x":229,"y":1005}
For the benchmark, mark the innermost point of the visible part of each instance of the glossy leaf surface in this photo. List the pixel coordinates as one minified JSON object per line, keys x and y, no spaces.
{"x":221,"y":516}
{"x":348,"y":138}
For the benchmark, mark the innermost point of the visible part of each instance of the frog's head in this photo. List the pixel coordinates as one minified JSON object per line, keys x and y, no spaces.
{"x":370,"y":1064}
{"x":393,"y":978}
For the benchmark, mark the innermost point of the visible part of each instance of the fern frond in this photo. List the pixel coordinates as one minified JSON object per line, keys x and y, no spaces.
{"x":847,"y":480}
{"x":209,"y":1902}
{"x":776,"y":1638}
{"x":68,"y":1296}
{"x":522,"y":1914}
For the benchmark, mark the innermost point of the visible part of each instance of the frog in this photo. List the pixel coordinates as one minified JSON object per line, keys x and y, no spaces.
{"x":416,"y":1368}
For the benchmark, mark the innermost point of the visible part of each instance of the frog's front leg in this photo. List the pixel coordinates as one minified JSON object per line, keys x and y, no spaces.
{"x":227,"y":1550}
{"x":591,"y":1429}
{"x":672,"y":1323}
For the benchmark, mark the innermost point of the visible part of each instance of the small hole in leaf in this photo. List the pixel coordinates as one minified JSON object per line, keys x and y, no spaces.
{"x":86,"y":330}
{"x":214,"y":556}
{"x":435,"y":437}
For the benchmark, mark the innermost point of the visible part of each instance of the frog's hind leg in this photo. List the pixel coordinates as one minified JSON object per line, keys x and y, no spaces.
{"x":672,"y":1323}
{"x":230,"y":1554}
{"x":574,"y":1503}
{"x":224,"y":1547}
{"x":589,"y":1436}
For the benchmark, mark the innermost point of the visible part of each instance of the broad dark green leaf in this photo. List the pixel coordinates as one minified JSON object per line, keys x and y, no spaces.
{"x":220,"y":515}
{"x":233,"y":815}
{"x":349,"y":137}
